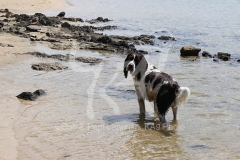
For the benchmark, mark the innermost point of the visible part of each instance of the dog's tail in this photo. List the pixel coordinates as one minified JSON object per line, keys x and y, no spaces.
{"x":183,"y":94}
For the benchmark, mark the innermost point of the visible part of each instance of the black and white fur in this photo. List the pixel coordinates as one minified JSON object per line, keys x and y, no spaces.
{"x":155,"y":86}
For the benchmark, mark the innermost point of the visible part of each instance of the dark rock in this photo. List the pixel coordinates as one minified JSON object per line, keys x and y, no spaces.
{"x":104,"y":39}
{"x":70,"y":57}
{"x":157,"y":51}
{"x":238,"y":60}
{"x":189,"y":51}
{"x":33,"y":28}
{"x":224,"y":56}
{"x":215,"y":60}
{"x":206,"y":54}
{"x":66,"y":25}
{"x":73,"y":19}
{"x":48,"y":66}
{"x":22,"y":17}
{"x":5,"y":45}
{"x":61,"y":14}
{"x":39,"y":92}
{"x":167,"y":38}
{"x":55,"y":66}
{"x":1,"y":24}
{"x":31,"y":96}
{"x":99,"y":19}
{"x":27,"y":96}
{"x":142,"y":52}
{"x":9,"y":45}
{"x":91,"y":60}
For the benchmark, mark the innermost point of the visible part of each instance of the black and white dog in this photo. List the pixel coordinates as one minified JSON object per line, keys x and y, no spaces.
{"x":155,"y":86}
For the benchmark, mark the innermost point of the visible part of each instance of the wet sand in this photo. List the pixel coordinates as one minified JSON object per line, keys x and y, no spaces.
{"x":10,"y":55}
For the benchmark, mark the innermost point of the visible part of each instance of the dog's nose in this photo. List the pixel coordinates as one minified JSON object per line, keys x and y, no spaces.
{"x":130,"y":67}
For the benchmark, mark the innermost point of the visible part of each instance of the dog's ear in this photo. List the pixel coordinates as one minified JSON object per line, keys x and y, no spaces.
{"x":141,"y":65}
{"x":126,"y":61}
{"x":125,"y":72}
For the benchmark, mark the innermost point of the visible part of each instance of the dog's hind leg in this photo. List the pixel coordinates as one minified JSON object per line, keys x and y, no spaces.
{"x":141,"y":105}
{"x":162,"y":119}
{"x":174,"y":110}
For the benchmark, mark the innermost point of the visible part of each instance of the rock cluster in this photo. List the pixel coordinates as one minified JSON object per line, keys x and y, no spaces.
{"x":48,"y":66}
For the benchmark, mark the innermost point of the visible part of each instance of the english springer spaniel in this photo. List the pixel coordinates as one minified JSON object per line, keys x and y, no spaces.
{"x":155,"y":86}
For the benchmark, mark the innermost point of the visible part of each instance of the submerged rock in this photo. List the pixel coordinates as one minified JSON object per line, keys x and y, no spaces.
{"x":31,"y":96}
{"x":215,"y":60}
{"x":224,"y":56}
{"x":189,"y":51}
{"x":99,"y":19}
{"x":48,"y":66}
{"x":206,"y":54}
{"x":39,"y":92}
{"x":167,"y":38}
{"x":91,"y":60}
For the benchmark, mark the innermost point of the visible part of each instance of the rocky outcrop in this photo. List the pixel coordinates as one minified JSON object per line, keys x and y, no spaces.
{"x":56,"y":66}
{"x":48,"y":66}
{"x":31,"y":96}
{"x":97,"y":20}
{"x":91,"y":60}
{"x":224,"y":56}
{"x":166,"y":38}
{"x":189,"y":51}
{"x":206,"y":54}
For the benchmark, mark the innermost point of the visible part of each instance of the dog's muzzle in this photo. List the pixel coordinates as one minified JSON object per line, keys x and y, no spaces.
{"x":130,"y":67}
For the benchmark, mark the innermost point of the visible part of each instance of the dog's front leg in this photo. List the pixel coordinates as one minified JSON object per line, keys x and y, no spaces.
{"x":140,"y":101}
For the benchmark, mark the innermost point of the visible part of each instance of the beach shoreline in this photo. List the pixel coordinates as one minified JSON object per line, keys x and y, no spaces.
{"x":15,"y":45}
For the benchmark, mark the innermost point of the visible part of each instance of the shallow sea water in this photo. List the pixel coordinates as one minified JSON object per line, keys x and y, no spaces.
{"x":91,"y":112}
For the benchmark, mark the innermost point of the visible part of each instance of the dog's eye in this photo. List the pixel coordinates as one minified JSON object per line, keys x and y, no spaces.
{"x":131,"y":58}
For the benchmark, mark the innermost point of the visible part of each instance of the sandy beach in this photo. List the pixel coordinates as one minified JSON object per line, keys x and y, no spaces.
{"x":8,"y":55}
{"x":28,"y":6}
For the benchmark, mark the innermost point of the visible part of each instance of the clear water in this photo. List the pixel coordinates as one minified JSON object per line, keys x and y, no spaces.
{"x":91,"y":112}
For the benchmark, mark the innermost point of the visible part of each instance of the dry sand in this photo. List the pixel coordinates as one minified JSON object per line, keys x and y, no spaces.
{"x":32,"y":6}
{"x":8,"y":143}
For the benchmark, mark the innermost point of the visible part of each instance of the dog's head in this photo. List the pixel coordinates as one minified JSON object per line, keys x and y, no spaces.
{"x":136,"y":64}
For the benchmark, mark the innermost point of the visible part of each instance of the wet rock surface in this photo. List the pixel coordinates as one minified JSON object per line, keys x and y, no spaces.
{"x":167,"y":38}
{"x":48,"y":66}
{"x":91,"y":60}
{"x":68,"y":57}
{"x":189,"y":51}
{"x":224,"y":56}
{"x":206,"y":54}
{"x":31,"y":96}
{"x":97,"y":20}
